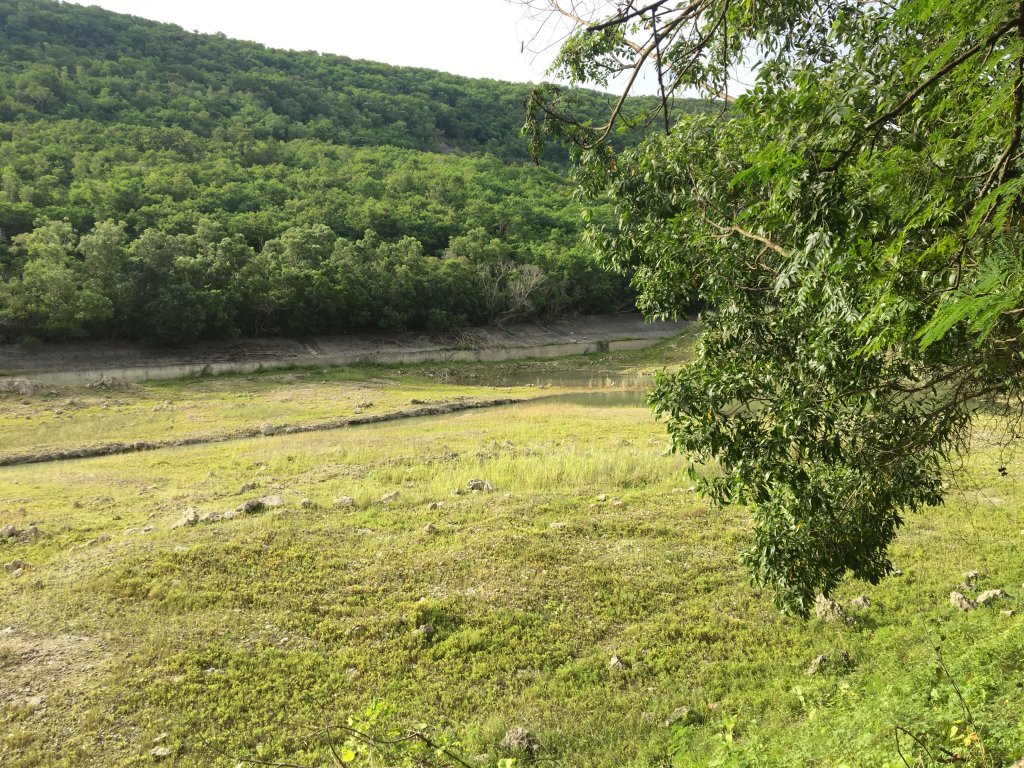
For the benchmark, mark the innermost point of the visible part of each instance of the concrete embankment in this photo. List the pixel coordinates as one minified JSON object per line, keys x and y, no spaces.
{"x":85,"y":363}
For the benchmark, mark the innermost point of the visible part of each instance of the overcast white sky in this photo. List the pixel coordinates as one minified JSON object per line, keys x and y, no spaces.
{"x":476,"y":38}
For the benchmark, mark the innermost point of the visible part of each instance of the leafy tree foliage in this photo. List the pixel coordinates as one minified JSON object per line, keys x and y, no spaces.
{"x":165,"y":186}
{"x":852,"y":223}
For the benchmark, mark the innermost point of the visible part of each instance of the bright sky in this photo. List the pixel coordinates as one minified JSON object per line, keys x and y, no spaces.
{"x":475,"y":38}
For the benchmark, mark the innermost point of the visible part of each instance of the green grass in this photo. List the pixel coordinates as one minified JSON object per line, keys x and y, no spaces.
{"x":248,"y":636}
{"x":67,"y":417}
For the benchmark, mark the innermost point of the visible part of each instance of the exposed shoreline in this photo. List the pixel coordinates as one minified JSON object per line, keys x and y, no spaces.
{"x":77,"y":364}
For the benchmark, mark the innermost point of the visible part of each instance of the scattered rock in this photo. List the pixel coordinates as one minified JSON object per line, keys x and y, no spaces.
{"x":518,"y":740}
{"x":617,"y":503}
{"x":387,"y":498}
{"x":427,"y":631}
{"x":989,"y":595}
{"x":861,"y":603}
{"x":268,"y":429}
{"x":477,"y":484}
{"x":680,"y":715}
{"x":272,"y":501}
{"x":32,"y":703}
{"x":416,"y":401}
{"x":430,"y":529}
{"x":558,"y":525}
{"x":23,"y":387}
{"x":828,"y":610}
{"x":602,"y":497}
{"x":250,"y":507}
{"x":617,"y":664}
{"x":958,"y":601}
{"x":190,"y":516}
{"x":306,"y":503}
{"x":366,"y":404}
{"x":8,"y":531}
{"x":840,"y":660}
{"x":159,"y":753}
{"x":161,"y":738}
{"x":17,"y":573}
{"x":14,"y":565}
{"x":435,"y":505}
{"x":971,"y":577}
{"x":344,"y":501}
{"x":247,"y":488}
{"x":148,"y":529}
{"x":1009,"y":612}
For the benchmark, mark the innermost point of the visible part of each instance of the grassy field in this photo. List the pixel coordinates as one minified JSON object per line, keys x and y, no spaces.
{"x":215,"y":406}
{"x":253,"y":638}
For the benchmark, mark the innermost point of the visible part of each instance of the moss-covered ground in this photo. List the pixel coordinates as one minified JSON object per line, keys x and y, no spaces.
{"x":252,"y":637}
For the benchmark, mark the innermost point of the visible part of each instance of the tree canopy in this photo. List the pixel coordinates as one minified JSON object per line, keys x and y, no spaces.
{"x":851,"y":221}
{"x":146,"y":170}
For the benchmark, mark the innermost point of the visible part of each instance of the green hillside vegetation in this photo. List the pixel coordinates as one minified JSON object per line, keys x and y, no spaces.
{"x":163,"y":186}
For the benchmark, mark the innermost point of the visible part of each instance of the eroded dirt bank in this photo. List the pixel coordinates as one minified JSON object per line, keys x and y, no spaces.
{"x":86,"y":362}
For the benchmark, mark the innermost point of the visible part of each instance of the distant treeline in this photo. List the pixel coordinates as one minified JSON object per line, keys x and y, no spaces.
{"x":164,"y":186}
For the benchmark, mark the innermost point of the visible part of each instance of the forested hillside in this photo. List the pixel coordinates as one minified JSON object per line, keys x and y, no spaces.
{"x":164,"y":186}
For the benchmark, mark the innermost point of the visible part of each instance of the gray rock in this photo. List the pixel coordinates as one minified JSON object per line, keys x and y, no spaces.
{"x":618,"y":664}
{"x":417,"y":401}
{"x":190,"y":516}
{"x":816,"y":664}
{"x":825,"y":662}
{"x":387,"y":498}
{"x":247,"y":488}
{"x":23,"y":387}
{"x":18,"y":573}
{"x":272,"y":501}
{"x":9,"y":531}
{"x":971,"y":577}
{"x":520,"y":741}
{"x":344,"y":501}
{"x":250,"y":507}
{"x":160,"y":753}
{"x":1009,"y":612}
{"x":958,"y":601}
{"x":268,"y":429}
{"x":989,"y":595}
{"x":427,"y":631}
{"x":476,"y":484}
{"x":14,"y":565}
{"x":435,"y":505}
{"x":680,"y":715}
{"x":430,"y":529}
{"x":828,"y":610}
{"x":307,"y":504}
{"x":861,"y":603}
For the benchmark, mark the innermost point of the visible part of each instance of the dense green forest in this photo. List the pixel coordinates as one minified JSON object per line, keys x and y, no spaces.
{"x":164,"y":186}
